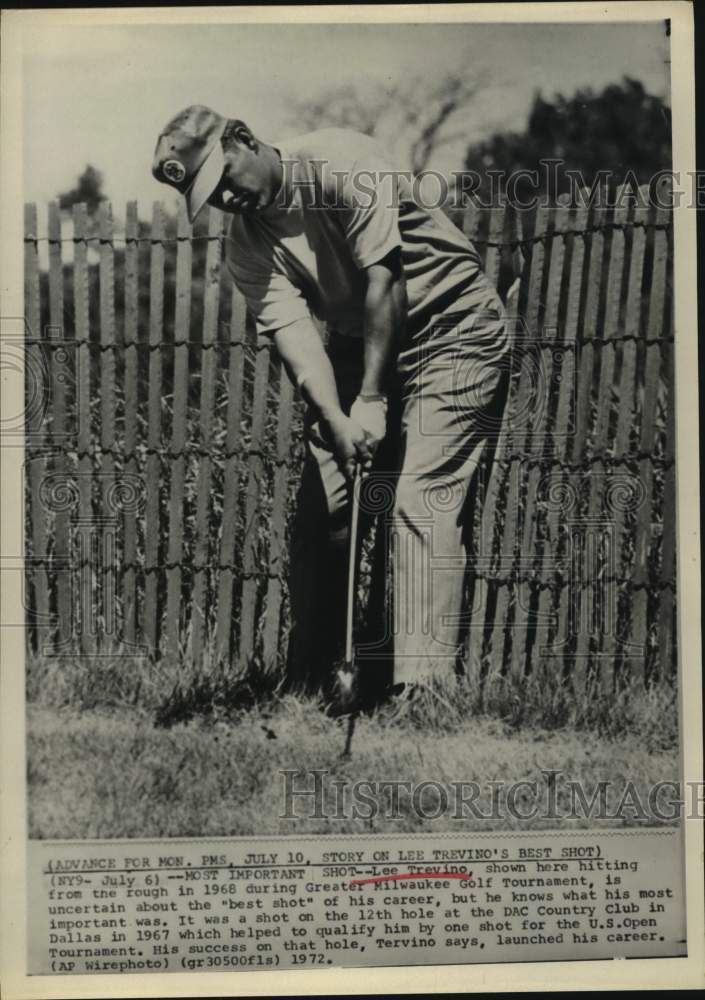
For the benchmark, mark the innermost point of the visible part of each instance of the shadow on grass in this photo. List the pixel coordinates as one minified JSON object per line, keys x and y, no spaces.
{"x":172,"y":692}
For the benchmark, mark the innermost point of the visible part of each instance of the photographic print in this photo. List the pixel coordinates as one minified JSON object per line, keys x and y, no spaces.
{"x":188,"y":511}
{"x":355,"y":358}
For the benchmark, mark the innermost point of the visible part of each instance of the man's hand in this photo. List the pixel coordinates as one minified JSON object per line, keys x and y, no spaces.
{"x":350,"y":443}
{"x":371,"y":415}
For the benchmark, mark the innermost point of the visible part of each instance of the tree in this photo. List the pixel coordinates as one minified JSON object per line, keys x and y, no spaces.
{"x":413,"y":121}
{"x":622,"y":131}
{"x":89,"y":189}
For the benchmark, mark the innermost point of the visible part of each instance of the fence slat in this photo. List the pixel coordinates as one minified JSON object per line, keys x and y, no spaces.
{"x":154,"y":432}
{"x":270,"y":635}
{"x":477,"y":632}
{"x":472,"y":220}
{"x":601,"y":598}
{"x":492,"y":257}
{"x":667,"y":668}
{"x":561,"y":366}
{"x":130,"y":335}
{"x":580,"y":598}
{"x":182,"y":319}
{"x":540,"y":428}
{"x":656,"y":325}
{"x":486,"y":557}
{"x":61,"y":368}
{"x":555,"y":272}
{"x":199,"y":616}
{"x":516,"y":236}
{"x":588,"y":333}
{"x":483,"y":592}
{"x":505,"y":593}
{"x":231,"y":475}
{"x":255,"y":474}
{"x":614,"y":640}
{"x":85,"y":461}
{"x":566,"y":405}
{"x":632,"y":326}
{"x":610,"y":328}
{"x":108,"y":553}
{"x":36,"y":391}
{"x":502,"y":637}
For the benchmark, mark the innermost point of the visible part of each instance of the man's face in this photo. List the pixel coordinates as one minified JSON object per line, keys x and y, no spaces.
{"x":246,"y":184}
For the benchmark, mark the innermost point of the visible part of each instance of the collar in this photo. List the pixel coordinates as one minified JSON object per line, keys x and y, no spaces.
{"x":284,"y":196}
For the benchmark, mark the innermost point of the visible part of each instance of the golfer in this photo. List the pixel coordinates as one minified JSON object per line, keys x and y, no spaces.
{"x":409,"y":381}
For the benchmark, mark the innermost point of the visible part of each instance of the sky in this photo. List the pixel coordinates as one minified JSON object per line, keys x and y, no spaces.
{"x":100,"y":95}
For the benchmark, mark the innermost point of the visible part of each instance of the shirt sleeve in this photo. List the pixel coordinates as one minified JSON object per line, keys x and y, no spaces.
{"x":371,"y":210}
{"x":272,"y":299}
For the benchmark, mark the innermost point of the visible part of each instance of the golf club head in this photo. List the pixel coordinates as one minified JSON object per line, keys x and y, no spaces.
{"x":345,"y":690}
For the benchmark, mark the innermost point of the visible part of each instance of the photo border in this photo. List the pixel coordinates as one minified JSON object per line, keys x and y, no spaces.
{"x":545,"y":976}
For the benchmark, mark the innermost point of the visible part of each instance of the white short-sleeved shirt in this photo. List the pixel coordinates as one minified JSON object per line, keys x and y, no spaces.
{"x":341,"y":208}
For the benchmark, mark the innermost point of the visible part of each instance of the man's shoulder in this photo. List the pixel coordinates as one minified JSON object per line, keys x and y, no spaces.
{"x":334,"y":145}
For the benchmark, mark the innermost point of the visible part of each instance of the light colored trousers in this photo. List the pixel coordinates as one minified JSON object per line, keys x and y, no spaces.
{"x":444,"y":418}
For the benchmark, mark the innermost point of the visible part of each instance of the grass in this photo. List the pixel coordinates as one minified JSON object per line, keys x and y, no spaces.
{"x":117,"y":750}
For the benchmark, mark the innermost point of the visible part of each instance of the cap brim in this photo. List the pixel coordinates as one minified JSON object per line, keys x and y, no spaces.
{"x":206,"y":181}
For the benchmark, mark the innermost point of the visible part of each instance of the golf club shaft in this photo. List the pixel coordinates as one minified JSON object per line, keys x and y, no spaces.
{"x":352,"y":559}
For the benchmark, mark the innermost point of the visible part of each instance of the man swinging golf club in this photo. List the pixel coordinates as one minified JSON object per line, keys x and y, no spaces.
{"x":409,"y":384}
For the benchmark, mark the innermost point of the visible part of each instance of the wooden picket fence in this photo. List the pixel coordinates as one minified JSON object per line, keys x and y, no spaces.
{"x":164,"y":447}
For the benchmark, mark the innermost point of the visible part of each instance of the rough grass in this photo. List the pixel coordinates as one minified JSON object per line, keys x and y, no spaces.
{"x":117,"y":750}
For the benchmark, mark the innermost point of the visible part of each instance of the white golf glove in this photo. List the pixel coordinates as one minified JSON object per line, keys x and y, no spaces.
{"x":370,"y":412}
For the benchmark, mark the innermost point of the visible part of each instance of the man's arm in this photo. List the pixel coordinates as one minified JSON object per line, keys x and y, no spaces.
{"x":308,"y":365}
{"x":384,"y":317}
{"x":371,"y":229}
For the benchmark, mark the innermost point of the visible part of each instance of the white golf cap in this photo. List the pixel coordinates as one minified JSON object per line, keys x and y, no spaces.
{"x":189,"y":155}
